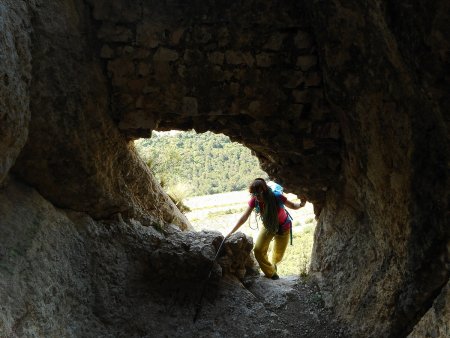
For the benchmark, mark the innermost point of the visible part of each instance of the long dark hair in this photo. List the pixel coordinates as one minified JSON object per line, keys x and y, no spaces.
{"x":269,"y":213}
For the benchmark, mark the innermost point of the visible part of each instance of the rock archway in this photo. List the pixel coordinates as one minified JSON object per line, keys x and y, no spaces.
{"x":347,"y":104}
{"x":250,"y":71}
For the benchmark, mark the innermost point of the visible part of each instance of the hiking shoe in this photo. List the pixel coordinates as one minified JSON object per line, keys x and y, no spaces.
{"x":275,"y":277}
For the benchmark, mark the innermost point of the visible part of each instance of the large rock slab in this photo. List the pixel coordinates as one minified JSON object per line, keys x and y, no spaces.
{"x":64,"y":274}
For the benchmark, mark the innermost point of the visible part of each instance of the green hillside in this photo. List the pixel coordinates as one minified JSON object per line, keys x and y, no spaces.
{"x":199,"y":164}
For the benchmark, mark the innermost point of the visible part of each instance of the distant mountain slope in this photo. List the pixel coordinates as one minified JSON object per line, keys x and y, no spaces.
{"x":204,"y":163}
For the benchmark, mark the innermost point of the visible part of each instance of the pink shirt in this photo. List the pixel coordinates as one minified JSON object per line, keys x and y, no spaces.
{"x":282,"y":215}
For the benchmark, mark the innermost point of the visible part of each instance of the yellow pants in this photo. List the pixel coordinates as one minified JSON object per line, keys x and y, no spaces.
{"x":262,"y":246}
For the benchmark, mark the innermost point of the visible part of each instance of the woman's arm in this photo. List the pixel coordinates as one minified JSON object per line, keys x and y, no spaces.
{"x":293,"y":205}
{"x":241,"y":220}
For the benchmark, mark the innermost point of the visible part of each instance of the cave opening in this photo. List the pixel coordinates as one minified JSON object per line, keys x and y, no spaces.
{"x":346,"y":104}
{"x":207,"y":176}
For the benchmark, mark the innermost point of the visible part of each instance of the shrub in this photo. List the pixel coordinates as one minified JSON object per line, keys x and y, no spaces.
{"x":178,"y":193}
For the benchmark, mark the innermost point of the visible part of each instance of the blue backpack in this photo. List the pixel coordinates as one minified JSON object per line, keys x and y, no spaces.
{"x":276,"y":188}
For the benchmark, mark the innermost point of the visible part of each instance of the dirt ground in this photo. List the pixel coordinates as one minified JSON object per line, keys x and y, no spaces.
{"x":298,"y":308}
{"x":288,"y":307}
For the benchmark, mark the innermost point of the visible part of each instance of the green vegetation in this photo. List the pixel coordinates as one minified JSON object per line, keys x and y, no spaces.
{"x":189,"y":164}
{"x":202,"y":164}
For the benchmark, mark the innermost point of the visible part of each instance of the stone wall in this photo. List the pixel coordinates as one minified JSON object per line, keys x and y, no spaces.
{"x":248,"y":70}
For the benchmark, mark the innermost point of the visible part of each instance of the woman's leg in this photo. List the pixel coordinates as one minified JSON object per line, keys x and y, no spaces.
{"x":279,"y":247}
{"x":260,"y":250}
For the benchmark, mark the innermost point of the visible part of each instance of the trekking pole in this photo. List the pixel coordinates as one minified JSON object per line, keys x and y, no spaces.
{"x":199,"y":304}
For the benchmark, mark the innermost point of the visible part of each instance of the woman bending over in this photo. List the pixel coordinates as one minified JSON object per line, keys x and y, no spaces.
{"x":276,"y":224}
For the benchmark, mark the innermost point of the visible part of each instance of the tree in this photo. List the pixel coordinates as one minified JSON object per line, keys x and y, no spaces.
{"x":208,"y":163}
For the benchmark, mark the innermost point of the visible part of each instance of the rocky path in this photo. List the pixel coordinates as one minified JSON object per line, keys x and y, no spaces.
{"x":288,"y":307}
{"x":297,"y":308}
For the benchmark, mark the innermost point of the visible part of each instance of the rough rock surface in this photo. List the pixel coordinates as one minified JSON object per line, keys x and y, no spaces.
{"x":68,"y":275}
{"x":297,"y":308}
{"x":15,"y":75}
{"x":347,"y":104}
{"x":64,"y":274}
{"x":381,"y":250}
{"x":300,"y":84}
{"x":436,"y":322}
{"x":75,"y":156}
